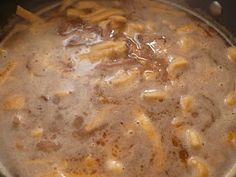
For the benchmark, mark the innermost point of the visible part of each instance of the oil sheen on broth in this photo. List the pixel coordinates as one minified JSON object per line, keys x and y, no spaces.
{"x":117,"y":89}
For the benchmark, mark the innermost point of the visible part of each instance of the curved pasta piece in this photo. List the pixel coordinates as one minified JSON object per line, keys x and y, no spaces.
{"x":4,"y":74}
{"x":186,"y":103}
{"x":106,"y":50}
{"x":148,"y":127}
{"x":98,"y":120}
{"x":146,"y":124}
{"x":200,"y":166}
{"x":177,"y":65}
{"x":153,"y":95}
{"x":27,"y":15}
{"x":123,"y":77}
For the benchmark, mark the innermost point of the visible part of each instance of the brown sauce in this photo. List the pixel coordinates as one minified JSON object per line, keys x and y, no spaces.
{"x":117,"y":89}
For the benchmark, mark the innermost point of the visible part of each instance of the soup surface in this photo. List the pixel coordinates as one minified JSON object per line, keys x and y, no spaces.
{"x":132,"y":88}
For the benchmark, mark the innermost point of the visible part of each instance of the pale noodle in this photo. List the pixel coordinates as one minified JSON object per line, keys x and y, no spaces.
{"x":4,"y":74}
{"x":105,"y":50}
{"x":29,"y":16}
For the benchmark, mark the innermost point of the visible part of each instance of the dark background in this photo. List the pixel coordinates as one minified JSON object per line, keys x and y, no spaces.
{"x":228,"y":16}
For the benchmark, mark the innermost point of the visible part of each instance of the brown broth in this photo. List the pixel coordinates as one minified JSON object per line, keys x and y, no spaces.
{"x":117,"y":88}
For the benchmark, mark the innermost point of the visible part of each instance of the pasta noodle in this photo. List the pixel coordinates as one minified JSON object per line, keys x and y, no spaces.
{"x":15,"y":102}
{"x":154,"y":95}
{"x":186,"y":43}
{"x":194,"y":138}
{"x":37,"y":132}
{"x":231,"y":137}
{"x":123,"y":77}
{"x":105,"y":50}
{"x":145,"y":123}
{"x":66,"y":4}
{"x":88,"y":5}
{"x":96,"y":16}
{"x":186,"y":103}
{"x":71,"y":12}
{"x":117,"y":21}
{"x":232,"y":54}
{"x":150,"y":75}
{"x":17,"y":28}
{"x":4,"y":74}
{"x":29,"y":16}
{"x":200,"y":166}
{"x":114,"y":166}
{"x":105,"y":15}
{"x":188,"y":28}
{"x":230,"y":99}
{"x":148,"y":127}
{"x":133,"y":28}
{"x":178,"y":64}
{"x":98,"y":120}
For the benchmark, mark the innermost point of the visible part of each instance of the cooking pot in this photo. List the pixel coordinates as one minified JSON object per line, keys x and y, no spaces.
{"x":219,"y":14}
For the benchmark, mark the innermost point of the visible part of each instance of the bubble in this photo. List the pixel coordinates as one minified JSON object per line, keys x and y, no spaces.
{"x":215,"y":8}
